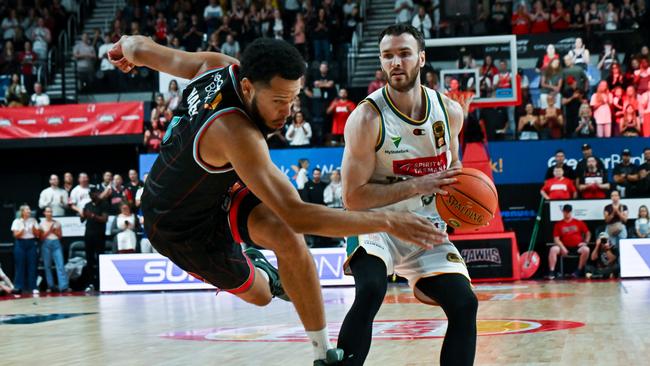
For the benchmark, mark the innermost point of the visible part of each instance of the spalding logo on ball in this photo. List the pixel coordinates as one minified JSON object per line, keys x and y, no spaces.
{"x":471,"y":202}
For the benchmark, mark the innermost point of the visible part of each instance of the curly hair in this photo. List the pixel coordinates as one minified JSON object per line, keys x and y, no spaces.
{"x":266,"y":58}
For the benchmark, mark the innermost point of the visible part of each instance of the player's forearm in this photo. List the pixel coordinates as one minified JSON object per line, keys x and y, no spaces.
{"x":320,"y":220}
{"x":373,"y":195}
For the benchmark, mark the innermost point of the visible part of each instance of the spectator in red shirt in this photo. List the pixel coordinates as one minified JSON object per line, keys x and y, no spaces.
{"x":593,"y":182}
{"x":539,"y":19}
{"x":378,"y":83}
{"x":341,"y":108}
{"x":558,"y":187}
{"x":560,"y":17}
{"x":520,"y":21}
{"x":570,"y":236}
{"x":27,"y":59}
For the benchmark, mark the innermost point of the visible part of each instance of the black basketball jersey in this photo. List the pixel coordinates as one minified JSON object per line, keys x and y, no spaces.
{"x":182,"y":190}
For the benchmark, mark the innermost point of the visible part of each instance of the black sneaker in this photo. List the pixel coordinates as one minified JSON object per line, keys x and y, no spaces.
{"x":333,"y":357}
{"x":259,"y":261}
{"x":551,"y":275}
{"x":578,"y":274}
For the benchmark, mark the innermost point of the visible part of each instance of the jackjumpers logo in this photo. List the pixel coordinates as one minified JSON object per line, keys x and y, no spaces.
{"x":491,"y":255}
{"x":396,"y":141}
{"x":465,"y":210}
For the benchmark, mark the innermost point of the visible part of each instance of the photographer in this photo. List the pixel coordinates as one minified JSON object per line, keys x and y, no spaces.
{"x":605,"y":258}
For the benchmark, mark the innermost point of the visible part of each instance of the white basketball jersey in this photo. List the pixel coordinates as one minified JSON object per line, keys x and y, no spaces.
{"x":407,"y":148}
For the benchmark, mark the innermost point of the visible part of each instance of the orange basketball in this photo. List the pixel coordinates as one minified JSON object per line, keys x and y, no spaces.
{"x":471,"y":202}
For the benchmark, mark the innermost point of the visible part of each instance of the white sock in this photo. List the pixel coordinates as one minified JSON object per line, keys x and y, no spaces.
{"x":321,"y":342}
{"x":264,"y":274}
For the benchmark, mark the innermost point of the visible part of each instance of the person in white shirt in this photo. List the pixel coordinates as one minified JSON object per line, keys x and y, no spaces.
{"x":403,"y":9}
{"x":212,"y":15}
{"x":54,"y":197}
{"x":301,"y":176}
{"x":299,"y":132}
{"x":422,"y":21}
{"x":333,"y":194}
{"x":125,"y":221}
{"x":80,"y":194}
{"x":39,"y":98}
{"x":230,"y":47}
{"x":50,"y":233}
{"x":105,"y":66}
{"x":25,"y":231}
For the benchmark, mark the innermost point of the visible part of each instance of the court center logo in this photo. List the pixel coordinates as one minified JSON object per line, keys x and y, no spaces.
{"x":412,"y":329}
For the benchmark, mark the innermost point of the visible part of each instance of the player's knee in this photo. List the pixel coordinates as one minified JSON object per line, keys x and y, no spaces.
{"x":465,"y":306}
{"x":373,"y":289}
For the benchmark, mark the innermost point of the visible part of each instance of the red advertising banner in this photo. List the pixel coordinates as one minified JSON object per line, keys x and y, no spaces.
{"x":72,"y":120}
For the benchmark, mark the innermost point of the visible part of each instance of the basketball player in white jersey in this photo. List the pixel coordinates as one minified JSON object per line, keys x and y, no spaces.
{"x":401,"y":148}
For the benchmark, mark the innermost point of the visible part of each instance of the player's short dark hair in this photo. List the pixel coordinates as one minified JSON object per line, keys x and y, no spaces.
{"x":399,"y":29}
{"x":316,"y":170}
{"x":559,"y":151}
{"x":266,"y":58}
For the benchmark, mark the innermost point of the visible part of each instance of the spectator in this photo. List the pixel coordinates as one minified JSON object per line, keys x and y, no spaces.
{"x":586,"y":124}
{"x":618,"y":109}
{"x":193,"y":38}
{"x":607,"y":59}
{"x":6,"y":286}
{"x":9,"y":25}
{"x":333,"y":194}
{"x":50,"y":234}
{"x":570,"y":235}
{"x":118,"y":195}
{"x":578,"y":18}
{"x":299,"y":132}
{"x":39,"y":98}
{"x":594,"y":18}
{"x":560,"y":161}
{"x":643,"y":185}
{"x":539,"y":19}
{"x":25,"y":231}
{"x":298,"y":32}
{"x":616,"y":219}
{"x":551,"y":118}
{"x":600,"y":102}
{"x":582,"y":164}
{"x":324,"y":91}
{"x":642,"y":223}
{"x":95,"y":214}
{"x":630,"y":124}
{"x":160,"y":33}
{"x":319,"y":30}
{"x":528,"y":125}
{"x":403,"y":9}
{"x":626,"y":174}
{"x":231,"y":47}
{"x":9,"y":60}
{"x":378,"y":83}
{"x":301,"y":176}
{"x":560,"y":18}
{"x":54,"y":197}
{"x":592,"y":182}
{"x":520,"y":20}
{"x":68,"y":182}
{"x":80,"y":194}
{"x":611,"y":18}
{"x":173,"y":96}
{"x":125,"y":221}
{"x":548,"y":57}
{"x":642,"y":76}
{"x":503,"y":80}
{"x":616,"y":79}
{"x":605,"y":256}
{"x":212,"y":14}
{"x":153,"y":137}
{"x":431,"y":81}
{"x":627,"y":15}
{"x":213,"y":43}
{"x":278,"y":26}
{"x":644,"y":110}
{"x":161,"y":113}
{"x":579,"y":54}
{"x":298,"y":107}
{"x":42,"y":37}
{"x":140,"y":191}
{"x":133,"y":186}
{"x":27,"y":59}
{"x":498,"y":22}
{"x":109,"y":75}
{"x":16,"y":94}
{"x":572,"y":99}
{"x":314,"y":193}
{"x":630,"y":99}
{"x":340,"y":108}
{"x":85,"y":55}
{"x":107,"y":184}
{"x":423,"y":22}
{"x":558,"y":187}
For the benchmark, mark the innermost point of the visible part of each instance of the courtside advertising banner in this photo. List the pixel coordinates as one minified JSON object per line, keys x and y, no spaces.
{"x":635,"y":257}
{"x":72,"y":120}
{"x":593,"y":210}
{"x":153,"y":272}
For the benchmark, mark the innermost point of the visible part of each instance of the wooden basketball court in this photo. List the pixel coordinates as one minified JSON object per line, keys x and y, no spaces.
{"x":520,"y":323}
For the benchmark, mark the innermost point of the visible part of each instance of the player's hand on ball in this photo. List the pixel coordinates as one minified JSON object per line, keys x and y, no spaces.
{"x":415,"y":229}
{"x":433,"y":183}
{"x":117,"y":58}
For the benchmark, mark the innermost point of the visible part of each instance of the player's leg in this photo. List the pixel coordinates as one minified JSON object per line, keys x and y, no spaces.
{"x":453,"y":292}
{"x":298,"y":272}
{"x":370,"y":288}
{"x":552,"y":261}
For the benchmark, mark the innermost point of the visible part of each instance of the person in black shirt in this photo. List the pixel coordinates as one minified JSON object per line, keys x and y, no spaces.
{"x":95,"y":215}
{"x":643,"y":185}
{"x":626,"y":175}
{"x":313,"y":193}
{"x":200,"y":201}
{"x":560,"y":161}
{"x":582,"y":164}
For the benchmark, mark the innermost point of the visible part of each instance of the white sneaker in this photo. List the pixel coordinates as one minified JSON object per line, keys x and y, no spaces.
{"x":90,"y":288}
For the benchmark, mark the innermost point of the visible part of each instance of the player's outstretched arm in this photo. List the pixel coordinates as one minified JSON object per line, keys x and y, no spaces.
{"x":359,"y":193}
{"x":249,"y":155}
{"x":132,"y":51}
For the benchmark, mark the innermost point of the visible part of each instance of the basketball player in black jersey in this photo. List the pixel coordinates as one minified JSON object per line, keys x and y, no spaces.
{"x":214,"y":185}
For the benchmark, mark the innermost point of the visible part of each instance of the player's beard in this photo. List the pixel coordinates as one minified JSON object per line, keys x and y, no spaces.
{"x":259,"y":121}
{"x":410,"y":78}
